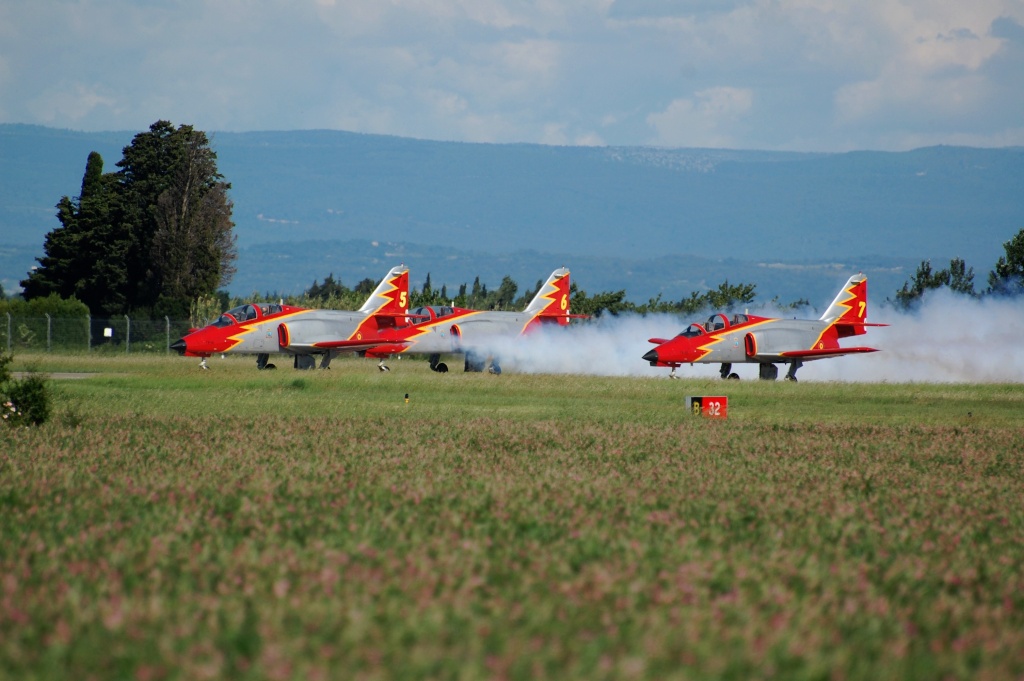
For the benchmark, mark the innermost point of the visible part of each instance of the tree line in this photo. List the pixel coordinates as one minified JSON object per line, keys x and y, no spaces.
{"x":1005,"y":279}
{"x":333,"y":294}
{"x":155,"y":238}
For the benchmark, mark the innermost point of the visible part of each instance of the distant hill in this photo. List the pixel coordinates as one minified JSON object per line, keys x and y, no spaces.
{"x":641,"y":218}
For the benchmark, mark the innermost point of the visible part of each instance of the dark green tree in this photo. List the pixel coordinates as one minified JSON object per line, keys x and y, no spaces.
{"x":181,"y":218}
{"x":329,"y":289}
{"x":505,"y":295}
{"x":958,"y":277}
{"x":84,"y":257}
{"x":365,"y":287}
{"x":1008,"y":276}
{"x":151,"y":237}
{"x":476,"y":295}
{"x":728,"y":295}
{"x":606,"y":302}
{"x":961,"y":277}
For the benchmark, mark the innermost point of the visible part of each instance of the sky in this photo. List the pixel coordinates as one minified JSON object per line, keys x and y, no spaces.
{"x":799,"y":75}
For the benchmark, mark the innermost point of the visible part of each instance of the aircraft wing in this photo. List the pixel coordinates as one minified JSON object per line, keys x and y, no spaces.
{"x":823,"y":353}
{"x":356,"y":345}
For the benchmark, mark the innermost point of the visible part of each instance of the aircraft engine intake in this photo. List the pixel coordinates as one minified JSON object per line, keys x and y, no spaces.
{"x":750,"y":344}
{"x":283,"y":337}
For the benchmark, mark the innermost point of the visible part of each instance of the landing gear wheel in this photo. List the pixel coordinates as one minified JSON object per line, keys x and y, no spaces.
{"x":382,"y":366}
{"x":441,"y":368}
{"x":733,"y":377}
{"x":791,"y":374}
{"x":495,"y":369}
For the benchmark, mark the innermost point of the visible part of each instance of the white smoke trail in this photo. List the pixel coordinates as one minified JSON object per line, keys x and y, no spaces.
{"x":948,"y":339}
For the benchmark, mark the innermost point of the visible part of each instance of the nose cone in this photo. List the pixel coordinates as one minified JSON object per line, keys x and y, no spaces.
{"x":180,"y":346}
{"x":651,"y":356}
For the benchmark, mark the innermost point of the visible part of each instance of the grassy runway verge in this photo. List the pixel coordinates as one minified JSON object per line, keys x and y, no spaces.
{"x":171,"y":523}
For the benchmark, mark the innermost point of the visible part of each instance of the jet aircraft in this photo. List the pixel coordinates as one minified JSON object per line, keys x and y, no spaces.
{"x":475,"y":333}
{"x":264,"y":329}
{"x":769,"y":341}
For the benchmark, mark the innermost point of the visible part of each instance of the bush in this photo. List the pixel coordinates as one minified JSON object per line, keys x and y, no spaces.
{"x":25,"y":401}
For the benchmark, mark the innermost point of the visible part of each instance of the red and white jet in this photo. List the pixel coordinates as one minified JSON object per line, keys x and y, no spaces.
{"x":476,"y":333}
{"x":769,"y":341}
{"x":263,"y":329}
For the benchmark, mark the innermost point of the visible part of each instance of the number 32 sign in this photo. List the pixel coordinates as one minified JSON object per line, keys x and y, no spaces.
{"x":710,"y":407}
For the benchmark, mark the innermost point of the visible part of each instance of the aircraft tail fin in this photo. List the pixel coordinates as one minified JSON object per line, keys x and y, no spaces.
{"x":851,"y":304}
{"x":391,"y":297}
{"x":552,"y":300}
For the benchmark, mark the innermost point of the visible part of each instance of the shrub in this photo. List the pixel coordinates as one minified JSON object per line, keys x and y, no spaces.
{"x":24,"y":401}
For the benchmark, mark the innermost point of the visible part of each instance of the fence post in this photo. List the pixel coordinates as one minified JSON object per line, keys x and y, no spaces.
{"x":8,"y":333}
{"x":127,"y":335}
{"x":48,"y":324}
{"x":88,"y":332}
{"x":168,"y":345}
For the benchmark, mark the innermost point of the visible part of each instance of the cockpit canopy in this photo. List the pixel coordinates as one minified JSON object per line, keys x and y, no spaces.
{"x":245,"y":313}
{"x":429,"y":313}
{"x":715,"y":322}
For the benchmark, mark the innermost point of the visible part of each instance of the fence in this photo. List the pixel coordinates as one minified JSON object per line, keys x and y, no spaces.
{"x":87,"y":334}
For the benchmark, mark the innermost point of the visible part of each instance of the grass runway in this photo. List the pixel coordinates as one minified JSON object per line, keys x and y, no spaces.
{"x":170,"y":523}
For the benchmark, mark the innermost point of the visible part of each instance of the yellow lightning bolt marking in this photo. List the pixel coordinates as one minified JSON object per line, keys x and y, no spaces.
{"x":357,"y":333}
{"x":843,"y":303}
{"x":719,"y":336}
{"x":426,"y":327}
{"x":253,"y":327}
{"x":548,"y":296}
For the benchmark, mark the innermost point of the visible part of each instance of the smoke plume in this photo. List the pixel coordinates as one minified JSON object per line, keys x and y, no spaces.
{"x":949,"y":338}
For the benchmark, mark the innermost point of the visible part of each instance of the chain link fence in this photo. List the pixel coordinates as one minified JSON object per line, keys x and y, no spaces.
{"x":87,"y":334}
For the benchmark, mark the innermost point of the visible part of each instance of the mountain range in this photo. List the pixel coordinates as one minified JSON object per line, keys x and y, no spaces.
{"x":649,"y":220}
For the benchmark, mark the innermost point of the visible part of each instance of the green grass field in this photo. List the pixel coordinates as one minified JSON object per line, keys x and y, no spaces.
{"x":169,"y":523}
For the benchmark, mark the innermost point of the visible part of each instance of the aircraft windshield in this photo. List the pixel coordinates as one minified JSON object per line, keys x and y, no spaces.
{"x":225,"y":320}
{"x":693,"y":330}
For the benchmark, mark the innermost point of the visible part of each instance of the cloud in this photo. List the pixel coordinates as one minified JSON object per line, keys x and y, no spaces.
{"x":824,"y":75}
{"x":707,"y":120}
